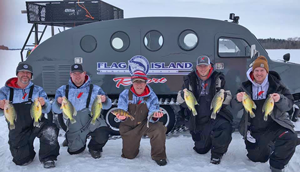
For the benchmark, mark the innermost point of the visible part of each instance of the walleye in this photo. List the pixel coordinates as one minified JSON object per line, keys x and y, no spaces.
{"x":10,"y":114}
{"x":190,"y":101}
{"x":248,"y":104}
{"x":122,"y":113}
{"x":268,"y":107}
{"x":68,"y":109}
{"x":216,"y":103}
{"x":36,"y":112}
{"x":96,"y":109}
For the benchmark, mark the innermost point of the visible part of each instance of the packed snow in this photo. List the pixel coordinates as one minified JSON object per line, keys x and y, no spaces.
{"x":181,"y":156}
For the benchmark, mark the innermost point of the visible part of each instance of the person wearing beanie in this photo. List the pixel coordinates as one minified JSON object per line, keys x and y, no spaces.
{"x":277,"y":130}
{"x":142,"y":103}
{"x":81,"y":93}
{"x":21,"y":93}
{"x":207,"y":133}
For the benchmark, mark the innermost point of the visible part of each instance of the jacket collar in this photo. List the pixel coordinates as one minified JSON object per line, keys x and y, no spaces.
{"x":146,"y":92}
{"x":12,"y":83}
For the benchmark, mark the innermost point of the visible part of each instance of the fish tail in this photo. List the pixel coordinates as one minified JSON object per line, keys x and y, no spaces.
{"x":93,"y":121}
{"x":132,"y":118}
{"x":72,"y":121}
{"x":36,"y":124}
{"x":266,"y":117}
{"x":252,"y":115}
{"x":213,"y":115}
{"x":12,"y":126}
{"x":194,"y":112}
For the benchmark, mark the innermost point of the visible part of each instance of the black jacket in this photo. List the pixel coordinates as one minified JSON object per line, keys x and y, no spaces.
{"x":217,"y":82}
{"x":281,"y":107}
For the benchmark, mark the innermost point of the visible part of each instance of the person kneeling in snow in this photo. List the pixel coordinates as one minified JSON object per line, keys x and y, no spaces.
{"x":81,"y":93}
{"x":273,"y":138}
{"x":142,"y":103}
{"x":21,"y":92}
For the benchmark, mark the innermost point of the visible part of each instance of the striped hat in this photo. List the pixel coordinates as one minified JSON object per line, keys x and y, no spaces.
{"x":138,"y":75}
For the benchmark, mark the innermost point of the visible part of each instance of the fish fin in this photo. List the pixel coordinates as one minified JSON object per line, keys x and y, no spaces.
{"x":196,"y":103}
{"x":12,"y":126}
{"x":93,"y":121}
{"x":72,"y":121}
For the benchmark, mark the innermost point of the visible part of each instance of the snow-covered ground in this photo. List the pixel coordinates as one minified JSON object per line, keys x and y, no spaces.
{"x":181,"y":156}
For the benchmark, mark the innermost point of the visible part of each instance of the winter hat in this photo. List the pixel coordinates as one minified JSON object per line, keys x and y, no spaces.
{"x":261,"y":61}
{"x":24,"y":67}
{"x":138,"y":75}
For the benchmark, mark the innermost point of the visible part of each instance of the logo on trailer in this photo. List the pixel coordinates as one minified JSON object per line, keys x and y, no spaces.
{"x":141,"y":63}
{"x":138,"y":63}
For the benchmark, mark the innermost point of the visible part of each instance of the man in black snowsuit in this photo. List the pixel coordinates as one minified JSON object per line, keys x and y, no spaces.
{"x":21,"y":92}
{"x":273,"y":139}
{"x":208,"y":134}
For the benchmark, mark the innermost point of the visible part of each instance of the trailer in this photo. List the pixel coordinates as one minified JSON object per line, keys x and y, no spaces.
{"x":165,"y":48}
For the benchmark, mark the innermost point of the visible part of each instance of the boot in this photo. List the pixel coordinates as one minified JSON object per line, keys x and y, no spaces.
{"x":49,"y":164}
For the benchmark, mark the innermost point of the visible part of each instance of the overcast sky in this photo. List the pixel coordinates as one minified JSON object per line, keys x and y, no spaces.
{"x":264,"y":18}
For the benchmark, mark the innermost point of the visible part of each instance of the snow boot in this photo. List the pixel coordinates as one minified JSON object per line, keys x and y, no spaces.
{"x":95,"y":154}
{"x":161,"y":162}
{"x":276,"y":170}
{"x":215,"y":159}
{"x":49,"y":164}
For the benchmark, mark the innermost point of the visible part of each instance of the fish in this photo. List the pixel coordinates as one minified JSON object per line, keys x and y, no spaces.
{"x":10,"y":114}
{"x":68,"y":110}
{"x":248,"y":104}
{"x":36,"y":112}
{"x":122,"y":113}
{"x":190,"y":101}
{"x":216,"y":103}
{"x":268,"y":107}
{"x":96,"y":109}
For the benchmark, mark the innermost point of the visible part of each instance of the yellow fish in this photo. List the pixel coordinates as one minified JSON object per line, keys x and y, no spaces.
{"x":216,"y":103}
{"x":122,"y":113}
{"x":68,"y":110}
{"x":190,"y":101}
{"x":36,"y":112}
{"x":268,"y":107}
{"x":96,"y":109}
{"x":10,"y":114}
{"x":248,"y":104}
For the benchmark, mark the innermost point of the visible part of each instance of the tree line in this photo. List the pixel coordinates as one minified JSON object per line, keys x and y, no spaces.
{"x":272,"y":43}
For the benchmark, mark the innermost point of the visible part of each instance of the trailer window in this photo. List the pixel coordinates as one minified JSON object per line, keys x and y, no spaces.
{"x":88,"y":43}
{"x":233,"y":47}
{"x":188,"y":40}
{"x":153,"y":40}
{"x":120,"y":41}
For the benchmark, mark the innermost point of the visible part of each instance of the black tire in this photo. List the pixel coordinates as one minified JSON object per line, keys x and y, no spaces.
{"x":112,"y":122}
{"x":169,"y":118}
